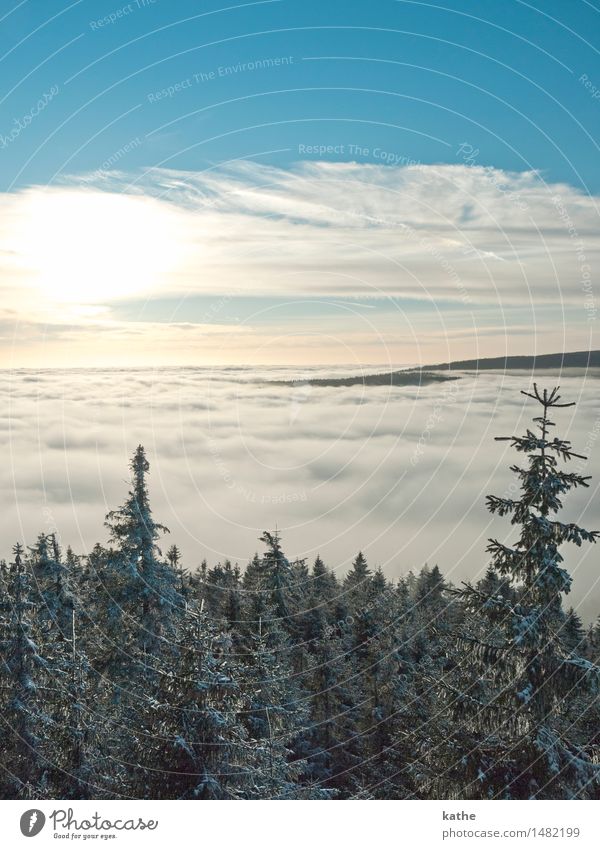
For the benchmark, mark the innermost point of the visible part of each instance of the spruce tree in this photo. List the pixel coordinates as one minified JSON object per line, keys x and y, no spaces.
{"x":531,"y":667}
{"x":25,"y":722}
{"x":277,"y":568}
{"x":140,"y":583}
{"x":194,"y":744}
{"x":359,"y":576}
{"x":74,"y":724}
{"x":137,"y":622}
{"x":273,"y":712}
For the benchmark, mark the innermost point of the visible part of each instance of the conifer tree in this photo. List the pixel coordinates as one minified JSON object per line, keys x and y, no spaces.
{"x":54,"y":587}
{"x":194,"y":745}
{"x":138,"y":621}
{"x":323,"y":583}
{"x":72,"y":719}
{"x":359,"y":576}
{"x":24,"y":721}
{"x":392,"y":704}
{"x":141,"y":584}
{"x":174,"y":560}
{"x":532,"y":665}
{"x":277,"y":568}
{"x":330,"y":746}
{"x":274,"y":713}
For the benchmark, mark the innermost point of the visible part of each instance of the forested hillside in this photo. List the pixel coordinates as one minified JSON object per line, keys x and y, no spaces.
{"x":130,"y":673}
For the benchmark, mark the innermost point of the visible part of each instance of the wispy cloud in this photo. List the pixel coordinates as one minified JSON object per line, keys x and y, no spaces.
{"x":473,"y":236}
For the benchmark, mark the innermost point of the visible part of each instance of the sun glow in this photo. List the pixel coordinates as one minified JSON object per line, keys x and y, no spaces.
{"x":90,"y":246}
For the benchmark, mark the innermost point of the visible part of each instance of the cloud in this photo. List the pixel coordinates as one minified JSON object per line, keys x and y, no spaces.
{"x":240,"y":227}
{"x":346,"y":228}
{"x":228,"y":461}
{"x":442,"y":252}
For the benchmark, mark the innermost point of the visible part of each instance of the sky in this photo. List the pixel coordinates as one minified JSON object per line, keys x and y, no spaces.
{"x":296,"y":182}
{"x":197,"y":198}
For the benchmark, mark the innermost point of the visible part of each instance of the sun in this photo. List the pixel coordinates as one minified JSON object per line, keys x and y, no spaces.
{"x":87,"y":246}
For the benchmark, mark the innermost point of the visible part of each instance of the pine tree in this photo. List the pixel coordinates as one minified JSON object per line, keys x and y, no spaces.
{"x":273,"y":712}
{"x":392,"y":661}
{"x":137,"y":623}
{"x":72,"y":718}
{"x":54,"y":587}
{"x":140,"y":583}
{"x":276,"y":567}
{"x":195,"y":746}
{"x":358,"y":577}
{"x":531,"y":666}
{"x":330,"y":744}
{"x":233,"y":604}
{"x":323,"y":674}
{"x":174,"y":560}
{"x":79,"y":725}
{"x":323,"y":582}
{"x":24,"y":721}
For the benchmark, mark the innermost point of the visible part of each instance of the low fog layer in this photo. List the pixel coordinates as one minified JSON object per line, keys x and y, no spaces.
{"x":399,"y":472}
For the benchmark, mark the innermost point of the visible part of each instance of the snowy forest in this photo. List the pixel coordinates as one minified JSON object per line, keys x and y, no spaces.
{"x":128,"y":673}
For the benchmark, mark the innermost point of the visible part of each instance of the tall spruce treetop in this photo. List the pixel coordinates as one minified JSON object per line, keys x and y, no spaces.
{"x":535,"y":559}
{"x":132,"y":526}
{"x":533,"y":655}
{"x":357,"y":583}
{"x":359,"y":574}
{"x":141,"y":586}
{"x":54,"y":585}
{"x":278,"y":570}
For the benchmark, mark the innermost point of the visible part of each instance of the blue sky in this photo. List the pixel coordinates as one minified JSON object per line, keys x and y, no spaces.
{"x":413,"y":79}
{"x":153,"y":88}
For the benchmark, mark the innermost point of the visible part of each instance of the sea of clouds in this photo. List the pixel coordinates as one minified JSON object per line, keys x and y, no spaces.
{"x":399,"y":472}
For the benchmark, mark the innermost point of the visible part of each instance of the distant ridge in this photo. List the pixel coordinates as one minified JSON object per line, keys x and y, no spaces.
{"x":575,"y":359}
{"x":426,"y":375}
{"x":410,"y":377}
